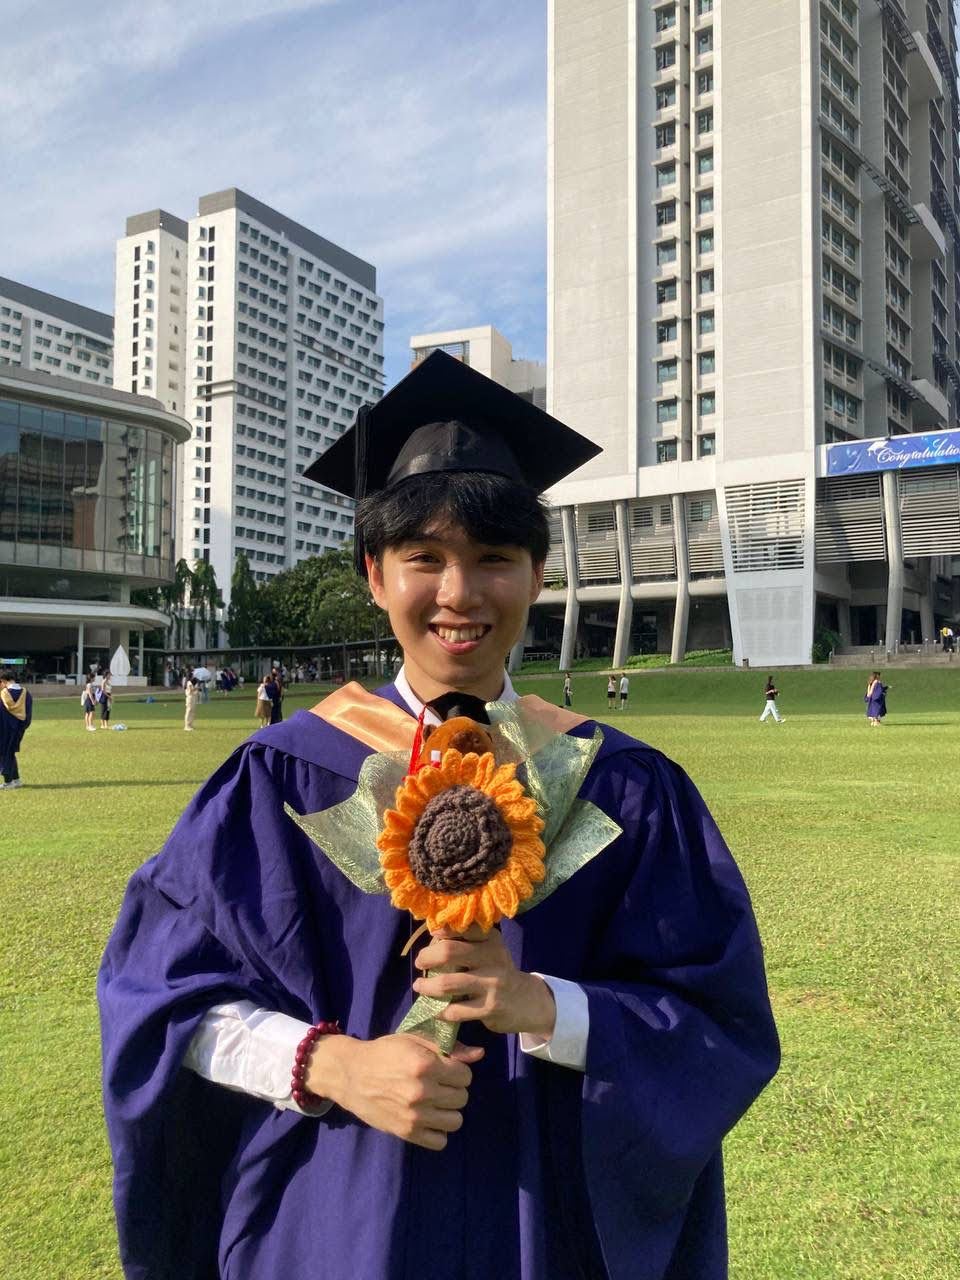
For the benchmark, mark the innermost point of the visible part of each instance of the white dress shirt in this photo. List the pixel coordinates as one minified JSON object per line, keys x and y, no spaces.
{"x":251,"y":1049}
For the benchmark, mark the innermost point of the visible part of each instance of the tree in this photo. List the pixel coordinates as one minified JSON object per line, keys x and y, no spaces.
{"x":320,"y":601}
{"x":175,"y":595}
{"x":246,"y":612}
{"x":205,"y":596}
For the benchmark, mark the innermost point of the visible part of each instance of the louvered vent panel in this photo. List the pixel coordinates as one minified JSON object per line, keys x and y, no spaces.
{"x":849,"y":523}
{"x":597,"y":544}
{"x":653,"y":557}
{"x":766,"y":526}
{"x":704,"y":548}
{"x":930,"y":511}
{"x":554,"y":569}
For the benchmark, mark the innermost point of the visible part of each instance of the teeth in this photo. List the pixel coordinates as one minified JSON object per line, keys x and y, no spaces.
{"x":459,"y":635}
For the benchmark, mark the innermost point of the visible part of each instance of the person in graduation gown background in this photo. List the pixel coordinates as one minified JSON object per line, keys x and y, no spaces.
{"x":16,"y":713}
{"x":610,"y":1037}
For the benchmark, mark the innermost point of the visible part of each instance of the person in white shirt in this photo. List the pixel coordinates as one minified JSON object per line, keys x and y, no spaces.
{"x":624,"y":691}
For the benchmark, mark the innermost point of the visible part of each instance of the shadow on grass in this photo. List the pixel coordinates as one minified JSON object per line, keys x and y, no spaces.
{"x":111,"y":783}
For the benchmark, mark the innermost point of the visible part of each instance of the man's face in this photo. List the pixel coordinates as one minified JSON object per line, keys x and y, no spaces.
{"x":456,"y":606}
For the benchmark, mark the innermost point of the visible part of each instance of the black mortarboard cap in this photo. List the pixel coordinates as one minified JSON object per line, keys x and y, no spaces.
{"x":445,"y":416}
{"x":450,"y":705}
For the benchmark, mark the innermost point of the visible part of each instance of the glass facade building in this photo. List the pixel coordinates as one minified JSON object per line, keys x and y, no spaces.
{"x":88,"y":507}
{"x":90,"y":493}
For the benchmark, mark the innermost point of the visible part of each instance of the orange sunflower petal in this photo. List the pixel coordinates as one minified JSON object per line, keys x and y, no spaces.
{"x":504,"y":893}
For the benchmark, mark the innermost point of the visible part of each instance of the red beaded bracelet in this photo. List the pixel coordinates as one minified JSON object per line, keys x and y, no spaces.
{"x":301,"y":1095}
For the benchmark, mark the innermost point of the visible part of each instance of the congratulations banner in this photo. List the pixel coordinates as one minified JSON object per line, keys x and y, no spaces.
{"x":895,"y":454}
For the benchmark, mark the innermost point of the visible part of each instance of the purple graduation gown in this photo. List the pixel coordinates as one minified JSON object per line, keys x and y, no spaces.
{"x":555,"y":1175}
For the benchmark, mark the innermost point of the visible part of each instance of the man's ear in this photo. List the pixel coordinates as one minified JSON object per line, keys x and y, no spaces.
{"x":375,"y":579}
{"x":537,"y":585}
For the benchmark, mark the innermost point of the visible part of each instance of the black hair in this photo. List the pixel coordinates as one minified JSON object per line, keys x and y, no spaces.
{"x":489,"y":508}
{"x":8,"y":673}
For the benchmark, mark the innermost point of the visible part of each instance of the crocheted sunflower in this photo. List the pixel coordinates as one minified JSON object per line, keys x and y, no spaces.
{"x":463,"y":843}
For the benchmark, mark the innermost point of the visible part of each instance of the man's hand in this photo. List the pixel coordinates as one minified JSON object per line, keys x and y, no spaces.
{"x":399,"y":1084}
{"x":483,"y":984}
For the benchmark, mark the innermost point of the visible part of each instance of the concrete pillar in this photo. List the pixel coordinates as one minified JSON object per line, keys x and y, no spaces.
{"x":891,"y":520}
{"x":681,"y":615}
{"x":621,"y":645}
{"x":140,"y":670}
{"x":81,"y":669}
{"x":844,"y":624}
{"x":515,"y":661}
{"x":571,"y":616}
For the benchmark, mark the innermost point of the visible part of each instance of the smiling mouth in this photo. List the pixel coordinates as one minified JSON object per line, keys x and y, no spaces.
{"x":460,"y":635}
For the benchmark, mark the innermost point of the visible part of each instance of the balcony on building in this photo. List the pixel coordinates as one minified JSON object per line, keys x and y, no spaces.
{"x":930,"y":409}
{"x":926,"y":238}
{"x":923,"y":73}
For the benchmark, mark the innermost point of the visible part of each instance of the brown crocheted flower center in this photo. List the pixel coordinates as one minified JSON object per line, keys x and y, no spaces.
{"x":459,"y":842}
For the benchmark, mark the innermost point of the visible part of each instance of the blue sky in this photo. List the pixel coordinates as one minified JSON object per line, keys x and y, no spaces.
{"x":412,"y":132}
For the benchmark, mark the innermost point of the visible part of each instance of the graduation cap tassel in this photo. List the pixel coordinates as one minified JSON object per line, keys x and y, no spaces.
{"x":361,"y":449}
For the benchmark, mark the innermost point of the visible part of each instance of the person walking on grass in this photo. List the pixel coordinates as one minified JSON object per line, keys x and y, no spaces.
{"x":106,"y":700}
{"x":876,"y":700}
{"x":88,"y":701}
{"x":624,"y":690}
{"x":770,"y":705}
{"x":275,"y":694}
{"x":264,"y":702}
{"x":16,"y":712}
{"x":567,"y":690}
{"x":611,"y":692}
{"x":191,"y":692}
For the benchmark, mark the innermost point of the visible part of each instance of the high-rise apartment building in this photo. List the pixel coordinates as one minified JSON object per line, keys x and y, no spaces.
{"x":485,"y":349}
{"x":272,"y":337}
{"x":753,"y":230}
{"x":48,"y":334}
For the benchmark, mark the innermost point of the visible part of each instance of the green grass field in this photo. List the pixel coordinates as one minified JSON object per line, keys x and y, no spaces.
{"x":848,"y":1167}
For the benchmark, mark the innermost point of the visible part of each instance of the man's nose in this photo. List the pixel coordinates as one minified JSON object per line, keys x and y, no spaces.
{"x":459,"y":589}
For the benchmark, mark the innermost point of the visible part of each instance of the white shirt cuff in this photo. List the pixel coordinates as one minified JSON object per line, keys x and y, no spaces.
{"x":567,"y":1047}
{"x":251,"y":1050}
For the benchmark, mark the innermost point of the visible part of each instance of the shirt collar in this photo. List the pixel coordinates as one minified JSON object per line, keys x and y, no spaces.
{"x":402,"y":685}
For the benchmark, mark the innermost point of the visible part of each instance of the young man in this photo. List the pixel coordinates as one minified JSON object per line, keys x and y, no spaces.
{"x":610,"y":1036}
{"x":624,"y":690}
{"x":16,"y":712}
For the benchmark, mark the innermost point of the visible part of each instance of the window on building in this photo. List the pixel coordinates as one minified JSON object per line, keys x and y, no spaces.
{"x":666,"y":213}
{"x":707,"y":404}
{"x":600,"y":521}
{"x":705,"y":81}
{"x":666,"y":451}
{"x":666,"y":252}
{"x":666,"y":371}
{"x":706,"y":448}
{"x":666,"y":291}
{"x":665,"y":56}
{"x":701,"y":509}
{"x":704,"y":122}
{"x":704,"y":41}
{"x":666,"y":18}
{"x":665,"y":135}
{"x":706,"y":322}
{"x":667,"y":410}
{"x":666,"y":175}
{"x":705,"y":242}
{"x":704,"y":202}
{"x":666,"y":97}
{"x":704,"y":162}
{"x":667,"y":331}
{"x":706,"y":362}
